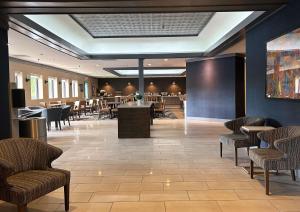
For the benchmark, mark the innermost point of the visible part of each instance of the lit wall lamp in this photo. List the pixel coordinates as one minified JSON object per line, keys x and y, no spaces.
{"x":129,"y":83}
{"x":46,"y":81}
{"x":27,"y":79}
{"x":151,"y":83}
{"x":59,"y":82}
{"x":174,"y":83}
{"x":106,"y":83}
{"x":70,"y":84}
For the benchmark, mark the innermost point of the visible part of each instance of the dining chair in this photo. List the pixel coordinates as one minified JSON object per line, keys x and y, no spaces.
{"x":54,"y":115}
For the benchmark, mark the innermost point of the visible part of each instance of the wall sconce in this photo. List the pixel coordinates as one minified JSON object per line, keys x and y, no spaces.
{"x":106,"y":83}
{"x":46,"y":81}
{"x":129,"y":83}
{"x":174,"y":83}
{"x":27,"y":79}
{"x":59,"y":82}
{"x":70,"y":84}
{"x":151,"y":83}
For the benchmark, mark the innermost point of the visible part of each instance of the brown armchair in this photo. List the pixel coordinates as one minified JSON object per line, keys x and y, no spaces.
{"x":237,"y":139}
{"x":26,"y":173}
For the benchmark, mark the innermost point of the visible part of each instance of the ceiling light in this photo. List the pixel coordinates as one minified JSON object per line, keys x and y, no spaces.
{"x":149,"y":64}
{"x":166,"y":60}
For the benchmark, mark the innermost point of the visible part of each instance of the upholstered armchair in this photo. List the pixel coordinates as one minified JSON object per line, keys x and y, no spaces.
{"x":283,"y":152}
{"x":237,"y":139}
{"x":26,"y":173}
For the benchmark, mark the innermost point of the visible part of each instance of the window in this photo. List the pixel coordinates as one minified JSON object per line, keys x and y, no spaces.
{"x":52,"y":87}
{"x":36,"y":85}
{"x":19,"y":79}
{"x":65,"y":88}
{"x":74,"y":88}
{"x":86,"y":89}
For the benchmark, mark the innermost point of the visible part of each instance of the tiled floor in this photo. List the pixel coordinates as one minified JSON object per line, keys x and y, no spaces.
{"x":178,"y":169}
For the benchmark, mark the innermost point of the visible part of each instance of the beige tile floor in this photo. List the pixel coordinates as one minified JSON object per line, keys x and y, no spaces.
{"x":177,"y":170}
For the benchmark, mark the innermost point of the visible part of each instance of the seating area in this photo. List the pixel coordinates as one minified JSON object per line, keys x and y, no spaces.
{"x":57,"y":111}
{"x":281,"y":153}
{"x":150,"y":106}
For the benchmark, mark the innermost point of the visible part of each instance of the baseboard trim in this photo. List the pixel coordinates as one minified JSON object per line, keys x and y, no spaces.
{"x":207,"y":119}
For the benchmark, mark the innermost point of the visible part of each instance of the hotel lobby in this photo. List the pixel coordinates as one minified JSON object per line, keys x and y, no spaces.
{"x":150,"y":106}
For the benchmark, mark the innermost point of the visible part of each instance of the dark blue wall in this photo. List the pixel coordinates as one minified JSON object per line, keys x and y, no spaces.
{"x":211,"y":88}
{"x":287,"y":112}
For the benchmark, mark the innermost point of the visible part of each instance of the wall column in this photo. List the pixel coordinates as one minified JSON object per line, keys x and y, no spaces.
{"x":5,"y":124}
{"x":141,"y":76}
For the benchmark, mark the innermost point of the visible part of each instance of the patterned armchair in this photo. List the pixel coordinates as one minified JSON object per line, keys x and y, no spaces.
{"x":26,"y":173}
{"x":237,"y":138}
{"x":283,"y":152}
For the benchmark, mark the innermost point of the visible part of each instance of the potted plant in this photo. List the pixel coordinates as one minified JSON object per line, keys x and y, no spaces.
{"x":138,"y":98}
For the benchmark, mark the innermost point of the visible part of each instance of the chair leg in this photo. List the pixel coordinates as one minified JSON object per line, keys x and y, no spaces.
{"x":67,"y":196}
{"x":267,"y":182}
{"x":251,"y":169}
{"x":248,"y":149}
{"x":22,"y":208}
{"x":221,"y":149}
{"x":236,"y":156}
{"x":69,"y":121}
{"x":293,"y":174}
{"x":59,"y":125}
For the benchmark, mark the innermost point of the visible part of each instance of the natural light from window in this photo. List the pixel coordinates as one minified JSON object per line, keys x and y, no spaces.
{"x":74,"y":88}
{"x":52,"y":87}
{"x":65,"y":88}
{"x":36,"y":85}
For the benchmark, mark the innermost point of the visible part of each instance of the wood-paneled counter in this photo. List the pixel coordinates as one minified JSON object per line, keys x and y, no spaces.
{"x":134,"y":120}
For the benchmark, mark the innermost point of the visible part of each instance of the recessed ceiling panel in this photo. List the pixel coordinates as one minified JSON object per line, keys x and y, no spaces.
{"x":135,"y":72}
{"x":143,"y":24}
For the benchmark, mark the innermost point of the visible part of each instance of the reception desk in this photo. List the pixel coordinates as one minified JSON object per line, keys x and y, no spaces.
{"x":134,"y":120}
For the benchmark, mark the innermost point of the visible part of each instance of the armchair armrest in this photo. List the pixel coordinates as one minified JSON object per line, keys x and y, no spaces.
{"x":271,"y":136}
{"x":53,"y":154}
{"x":6,"y":169}
{"x":235,"y":124}
{"x":289,"y":146}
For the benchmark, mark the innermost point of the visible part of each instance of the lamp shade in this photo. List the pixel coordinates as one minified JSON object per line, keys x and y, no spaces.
{"x":18,"y":98}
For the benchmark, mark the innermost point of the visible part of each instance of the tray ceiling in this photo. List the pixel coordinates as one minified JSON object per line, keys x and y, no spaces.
{"x":143,"y":24}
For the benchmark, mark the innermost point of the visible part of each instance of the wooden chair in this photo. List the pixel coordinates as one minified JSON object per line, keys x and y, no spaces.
{"x":103,"y":109}
{"x":159,"y":108}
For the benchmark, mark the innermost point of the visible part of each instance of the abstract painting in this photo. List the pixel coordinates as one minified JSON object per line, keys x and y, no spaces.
{"x":283,"y":66}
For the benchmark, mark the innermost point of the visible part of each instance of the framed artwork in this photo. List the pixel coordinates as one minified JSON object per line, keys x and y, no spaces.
{"x":283,"y":66}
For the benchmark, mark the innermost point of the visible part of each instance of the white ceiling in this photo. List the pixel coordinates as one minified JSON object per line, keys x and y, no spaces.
{"x":66,"y":28}
{"x":25,"y":48}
